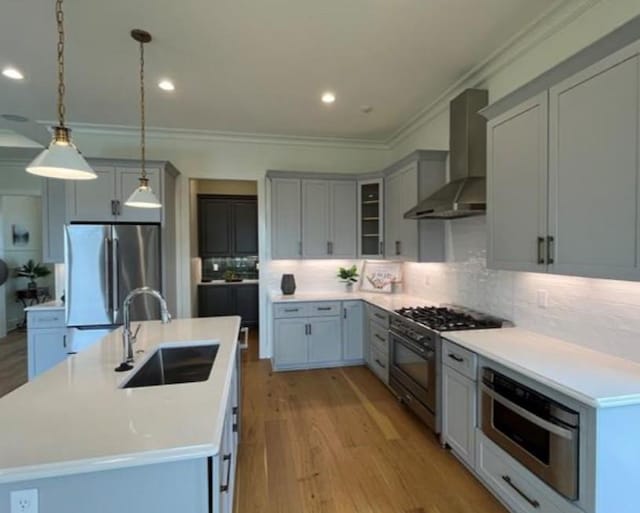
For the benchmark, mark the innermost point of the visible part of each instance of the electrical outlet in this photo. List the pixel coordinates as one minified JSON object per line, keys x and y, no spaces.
{"x":24,"y":501}
{"x":543,"y":298}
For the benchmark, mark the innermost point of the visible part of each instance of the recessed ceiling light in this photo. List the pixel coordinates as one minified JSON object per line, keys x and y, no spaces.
{"x":328,"y":97}
{"x":166,"y":85}
{"x":12,"y":73}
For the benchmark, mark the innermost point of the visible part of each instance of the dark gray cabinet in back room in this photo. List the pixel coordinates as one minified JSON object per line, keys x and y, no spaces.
{"x":227,"y":225}
{"x":236,"y":299}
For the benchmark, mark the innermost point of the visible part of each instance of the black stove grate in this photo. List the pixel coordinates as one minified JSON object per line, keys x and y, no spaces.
{"x":446,"y":319}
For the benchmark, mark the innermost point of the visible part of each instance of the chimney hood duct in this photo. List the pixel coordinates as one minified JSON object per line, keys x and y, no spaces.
{"x":466,"y":194}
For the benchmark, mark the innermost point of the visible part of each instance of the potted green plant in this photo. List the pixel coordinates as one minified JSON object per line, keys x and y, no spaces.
{"x":33,"y":271}
{"x":348,"y":276}
{"x":231,"y":276}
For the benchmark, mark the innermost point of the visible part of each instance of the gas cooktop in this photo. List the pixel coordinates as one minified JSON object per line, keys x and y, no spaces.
{"x":449,"y":319}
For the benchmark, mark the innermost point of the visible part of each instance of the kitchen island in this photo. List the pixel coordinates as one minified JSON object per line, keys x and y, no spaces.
{"x":80,"y":439}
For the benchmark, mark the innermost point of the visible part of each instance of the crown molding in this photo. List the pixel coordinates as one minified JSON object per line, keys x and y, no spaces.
{"x":224,"y":136}
{"x":554,"y":19}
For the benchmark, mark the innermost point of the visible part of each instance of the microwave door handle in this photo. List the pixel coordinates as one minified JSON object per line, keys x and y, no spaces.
{"x":526,"y":414}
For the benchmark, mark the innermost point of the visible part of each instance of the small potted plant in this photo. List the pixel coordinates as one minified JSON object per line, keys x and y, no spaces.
{"x":32,"y":271}
{"x":231,"y":276}
{"x":348,"y":276}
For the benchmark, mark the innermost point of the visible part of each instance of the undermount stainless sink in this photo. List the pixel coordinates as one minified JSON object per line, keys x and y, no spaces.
{"x":173,"y":365}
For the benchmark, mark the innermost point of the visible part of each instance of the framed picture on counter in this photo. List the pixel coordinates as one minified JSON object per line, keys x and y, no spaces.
{"x":380,"y":276}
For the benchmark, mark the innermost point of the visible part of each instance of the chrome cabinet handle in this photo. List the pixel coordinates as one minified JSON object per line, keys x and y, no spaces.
{"x":526,"y":414}
{"x":309,"y":328}
{"x":289,"y":310}
{"x":300,"y":248}
{"x":541,"y":250}
{"x":550,"y":249}
{"x":344,"y":314}
{"x":64,"y":341}
{"x":397,"y":247}
{"x":381,"y":249}
{"x":456,"y":357}
{"x":381,"y":339}
{"x":531,"y":501}
{"x":380,"y":364}
{"x":225,"y":487}
{"x":323,"y":308}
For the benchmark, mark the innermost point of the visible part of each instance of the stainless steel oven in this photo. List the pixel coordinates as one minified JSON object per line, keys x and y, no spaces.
{"x":537,"y":431}
{"x":413,"y":368}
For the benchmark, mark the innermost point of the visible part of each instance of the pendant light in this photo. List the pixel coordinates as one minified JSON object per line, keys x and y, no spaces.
{"x":143,"y":196}
{"x":61,"y":159}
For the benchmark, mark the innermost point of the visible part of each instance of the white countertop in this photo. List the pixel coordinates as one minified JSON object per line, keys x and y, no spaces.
{"x":75,"y":419}
{"x":49,"y":305}
{"x":386,"y":301}
{"x":593,"y":378}
{"x":222,"y":282}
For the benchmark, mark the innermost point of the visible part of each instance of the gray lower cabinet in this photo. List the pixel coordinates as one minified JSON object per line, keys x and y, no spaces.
{"x":291,"y":344}
{"x":47,"y":340}
{"x":325,"y":340}
{"x":459,"y":405}
{"x":286,"y":214}
{"x":353,"y":331}
{"x":377,"y":356}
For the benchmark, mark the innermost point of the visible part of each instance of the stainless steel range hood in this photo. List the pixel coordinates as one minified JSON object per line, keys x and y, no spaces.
{"x":466,"y":194}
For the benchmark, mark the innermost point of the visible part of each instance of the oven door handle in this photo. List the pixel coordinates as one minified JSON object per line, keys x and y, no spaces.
{"x":526,"y":414}
{"x":426,"y":353}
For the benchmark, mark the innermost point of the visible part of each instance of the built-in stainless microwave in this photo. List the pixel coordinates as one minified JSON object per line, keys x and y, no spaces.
{"x":537,"y":431}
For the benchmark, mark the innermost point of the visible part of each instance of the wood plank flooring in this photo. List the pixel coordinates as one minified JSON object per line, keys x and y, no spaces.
{"x":337,"y":441}
{"x":13,"y":361}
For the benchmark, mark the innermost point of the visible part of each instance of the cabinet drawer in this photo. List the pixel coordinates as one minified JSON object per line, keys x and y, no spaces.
{"x":378,"y":315}
{"x":46,"y":319}
{"x":284,"y":310}
{"x":380,"y":364}
{"x":460,"y":359}
{"x":379,"y":338}
{"x":516,"y":487}
{"x":324,"y":309}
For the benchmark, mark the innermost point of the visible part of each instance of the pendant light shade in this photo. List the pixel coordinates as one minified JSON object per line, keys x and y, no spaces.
{"x":61,"y":159}
{"x":143,"y":196}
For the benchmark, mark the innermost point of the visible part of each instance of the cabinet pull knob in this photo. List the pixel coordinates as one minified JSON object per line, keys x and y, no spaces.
{"x":541,"y":250}
{"x":456,"y":357}
{"x":225,"y":487}
{"x":533,"y":502}
{"x":550,"y":249}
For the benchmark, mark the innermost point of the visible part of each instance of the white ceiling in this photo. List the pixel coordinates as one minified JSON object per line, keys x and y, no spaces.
{"x":254,"y":66}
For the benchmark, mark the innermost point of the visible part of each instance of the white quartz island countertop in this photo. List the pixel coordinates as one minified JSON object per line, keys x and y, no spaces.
{"x":75,"y":418}
{"x":49,"y":305}
{"x":591,"y":377}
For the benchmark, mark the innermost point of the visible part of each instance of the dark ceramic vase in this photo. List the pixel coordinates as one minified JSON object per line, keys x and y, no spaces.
{"x":288,"y":284}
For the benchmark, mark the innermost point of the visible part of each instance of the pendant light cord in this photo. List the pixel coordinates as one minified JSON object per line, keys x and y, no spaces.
{"x":61,"y":88}
{"x":142,"y":117}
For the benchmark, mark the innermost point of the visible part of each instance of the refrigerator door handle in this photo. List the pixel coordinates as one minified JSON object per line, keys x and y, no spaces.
{"x":107,"y":275}
{"x":116,"y":277}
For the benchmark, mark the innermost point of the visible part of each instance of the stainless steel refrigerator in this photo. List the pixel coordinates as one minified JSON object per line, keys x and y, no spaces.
{"x":103,"y":264}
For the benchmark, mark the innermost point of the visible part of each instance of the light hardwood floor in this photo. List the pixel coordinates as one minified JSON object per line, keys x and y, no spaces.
{"x":13,"y":361}
{"x":337,"y":441}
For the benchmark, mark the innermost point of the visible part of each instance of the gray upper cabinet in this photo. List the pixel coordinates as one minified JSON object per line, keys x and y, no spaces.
{"x":517,"y":187}
{"x":92,"y":200}
{"x":401,"y":194}
{"x":593,"y":170}
{"x":371,"y":218}
{"x":316,"y":233}
{"x":563,"y":173}
{"x":286,"y":237}
{"x":343,"y":219}
{"x":103,"y":200}
{"x":313,"y":218}
{"x":407,"y":182}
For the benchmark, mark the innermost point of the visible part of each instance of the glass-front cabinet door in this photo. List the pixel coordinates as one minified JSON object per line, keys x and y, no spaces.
{"x":370,"y":218}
